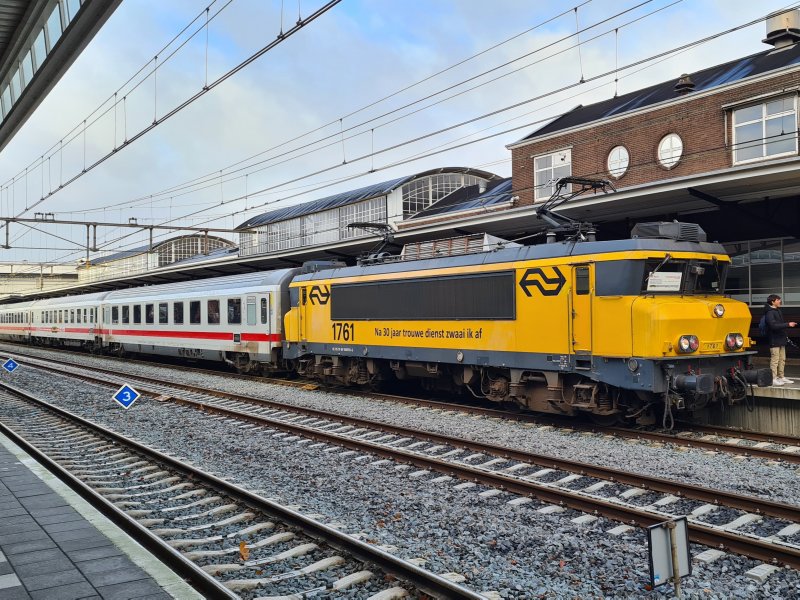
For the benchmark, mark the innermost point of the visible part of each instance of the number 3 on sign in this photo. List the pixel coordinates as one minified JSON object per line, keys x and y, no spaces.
{"x":343,"y":332}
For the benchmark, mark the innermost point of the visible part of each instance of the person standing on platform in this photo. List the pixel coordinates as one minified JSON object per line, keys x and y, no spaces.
{"x":776,"y":334}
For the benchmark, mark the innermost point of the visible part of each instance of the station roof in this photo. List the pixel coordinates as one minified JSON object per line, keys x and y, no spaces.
{"x":351,"y":197}
{"x":705,"y":79}
{"x":123,"y":254}
{"x":469,"y":198}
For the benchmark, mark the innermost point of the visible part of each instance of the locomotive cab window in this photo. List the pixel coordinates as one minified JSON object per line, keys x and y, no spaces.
{"x":213,"y":312}
{"x":137,"y":313}
{"x":177,"y":313}
{"x":149,"y":313}
{"x":163,"y":313}
{"x":194,"y":312}
{"x":234,"y":311}
{"x":662,"y":275}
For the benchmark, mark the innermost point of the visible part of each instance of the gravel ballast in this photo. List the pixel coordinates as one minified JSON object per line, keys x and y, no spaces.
{"x":511,"y":549}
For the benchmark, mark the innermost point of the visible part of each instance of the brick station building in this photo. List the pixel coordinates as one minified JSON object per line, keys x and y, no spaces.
{"x":718,"y":147}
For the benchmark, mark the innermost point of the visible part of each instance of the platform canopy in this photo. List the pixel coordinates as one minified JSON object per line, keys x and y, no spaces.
{"x":39,"y":40}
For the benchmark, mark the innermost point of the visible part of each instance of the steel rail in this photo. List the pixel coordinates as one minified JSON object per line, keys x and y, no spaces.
{"x":708,"y":535}
{"x":424,"y":580}
{"x":197,"y":578}
{"x":635,"y":434}
{"x":658,"y":484}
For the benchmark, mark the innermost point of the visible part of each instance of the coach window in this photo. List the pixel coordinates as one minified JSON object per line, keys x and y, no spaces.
{"x":85,"y":320}
{"x":115,"y":314}
{"x":235,"y":311}
{"x":149,"y":313}
{"x":72,"y":316}
{"x":60,"y":316}
{"x":126,"y":314}
{"x":137,"y":313}
{"x":91,"y":315}
{"x":177,"y":313}
{"x":194,"y":312}
{"x":78,"y":316}
{"x":264,"y":311}
{"x":213,"y":312}
{"x":163,"y":312}
{"x":251,"y":310}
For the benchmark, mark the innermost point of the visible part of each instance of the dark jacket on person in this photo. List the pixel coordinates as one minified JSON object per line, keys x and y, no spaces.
{"x":776,"y":327}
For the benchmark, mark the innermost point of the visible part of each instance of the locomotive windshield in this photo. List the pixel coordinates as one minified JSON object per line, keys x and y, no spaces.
{"x":664,"y":275}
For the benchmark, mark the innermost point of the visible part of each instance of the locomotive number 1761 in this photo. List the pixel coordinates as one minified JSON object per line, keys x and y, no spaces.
{"x":343,"y":332}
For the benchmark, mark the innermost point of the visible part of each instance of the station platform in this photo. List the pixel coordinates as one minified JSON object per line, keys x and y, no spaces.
{"x":54,"y":545}
{"x":789,"y":391}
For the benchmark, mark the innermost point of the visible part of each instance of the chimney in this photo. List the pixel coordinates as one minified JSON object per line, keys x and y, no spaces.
{"x":783,"y":29}
{"x":684,"y":85}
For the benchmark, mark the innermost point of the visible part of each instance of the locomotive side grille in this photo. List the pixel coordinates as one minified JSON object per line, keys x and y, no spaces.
{"x":486,"y":296}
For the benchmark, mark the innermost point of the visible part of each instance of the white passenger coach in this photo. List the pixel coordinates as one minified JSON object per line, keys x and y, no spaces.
{"x":236,"y":319}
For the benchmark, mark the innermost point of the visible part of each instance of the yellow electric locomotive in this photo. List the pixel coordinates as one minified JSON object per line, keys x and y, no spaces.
{"x":624,"y":329}
{"x":617,"y":329}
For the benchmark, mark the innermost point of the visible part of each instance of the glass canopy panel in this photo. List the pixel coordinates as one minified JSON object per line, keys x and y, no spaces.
{"x":54,"y":26}
{"x":27,"y":68}
{"x":39,"y":51}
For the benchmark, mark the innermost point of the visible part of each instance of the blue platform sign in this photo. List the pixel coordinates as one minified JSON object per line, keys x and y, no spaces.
{"x":10,"y":365}
{"x":126,"y":396}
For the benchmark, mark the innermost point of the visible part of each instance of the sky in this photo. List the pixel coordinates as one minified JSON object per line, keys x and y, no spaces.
{"x":369,"y":91}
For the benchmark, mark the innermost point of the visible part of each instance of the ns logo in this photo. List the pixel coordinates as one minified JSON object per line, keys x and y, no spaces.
{"x":319,"y":294}
{"x":547,"y":285}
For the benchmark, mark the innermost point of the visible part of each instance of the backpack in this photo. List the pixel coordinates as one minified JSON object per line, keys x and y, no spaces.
{"x":762,"y":325}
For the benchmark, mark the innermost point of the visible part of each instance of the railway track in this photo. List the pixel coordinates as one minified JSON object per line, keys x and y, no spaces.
{"x":630,"y":498}
{"x":227,"y":541}
{"x":703,"y":437}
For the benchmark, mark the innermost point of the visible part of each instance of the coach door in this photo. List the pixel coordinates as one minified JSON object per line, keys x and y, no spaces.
{"x":581,"y":309}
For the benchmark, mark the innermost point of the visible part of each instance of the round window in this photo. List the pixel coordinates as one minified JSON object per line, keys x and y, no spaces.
{"x":670,"y":149}
{"x":618,"y":160}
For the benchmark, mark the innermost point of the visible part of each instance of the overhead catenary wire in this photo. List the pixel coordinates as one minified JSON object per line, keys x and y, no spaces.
{"x":339,"y":136}
{"x":496,"y":45}
{"x":224,"y":77}
{"x":615,"y":70}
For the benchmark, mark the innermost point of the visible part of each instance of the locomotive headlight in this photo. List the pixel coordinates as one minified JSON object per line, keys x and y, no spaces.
{"x":730,"y":341}
{"x":734,"y":341}
{"x":719,"y":310}
{"x":688,"y":343}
